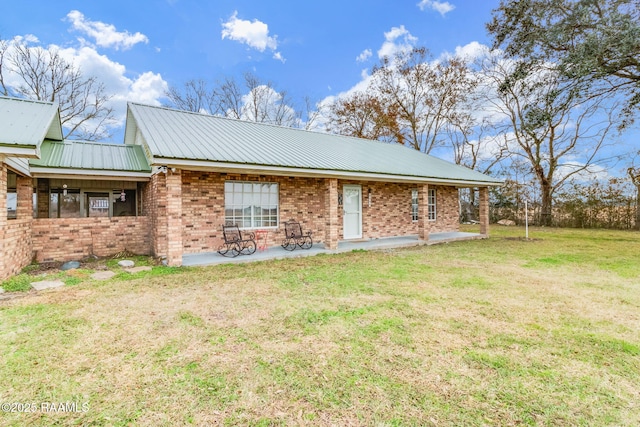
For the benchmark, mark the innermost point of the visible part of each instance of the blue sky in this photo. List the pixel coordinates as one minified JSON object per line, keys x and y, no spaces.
{"x":314,"y":49}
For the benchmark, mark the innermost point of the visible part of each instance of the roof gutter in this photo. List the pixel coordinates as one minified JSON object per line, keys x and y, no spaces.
{"x":30,"y":152}
{"x":69,"y":173}
{"x":223,"y":167}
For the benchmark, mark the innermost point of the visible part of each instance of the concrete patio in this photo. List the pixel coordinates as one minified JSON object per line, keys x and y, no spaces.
{"x":276,"y":252}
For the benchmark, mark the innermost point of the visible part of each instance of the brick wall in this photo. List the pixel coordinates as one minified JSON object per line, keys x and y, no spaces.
{"x":203,"y":207}
{"x":65,"y":239}
{"x":154,"y":207}
{"x":174,"y":217}
{"x":307,"y":200}
{"x":447,"y":209}
{"x":390,"y":211}
{"x":15,"y":234}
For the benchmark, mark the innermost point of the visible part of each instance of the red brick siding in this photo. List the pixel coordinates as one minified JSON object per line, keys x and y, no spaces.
{"x":447,"y":209}
{"x":15,"y":234}
{"x":154,"y":206}
{"x":202,"y":211}
{"x":203,"y":207}
{"x":307,"y":200}
{"x":390,"y":211}
{"x":16,"y":247}
{"x":64,"y":239}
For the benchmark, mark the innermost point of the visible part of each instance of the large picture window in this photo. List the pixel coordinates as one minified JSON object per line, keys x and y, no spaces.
{"x":251,"y":204}
{"x":431,"y":201}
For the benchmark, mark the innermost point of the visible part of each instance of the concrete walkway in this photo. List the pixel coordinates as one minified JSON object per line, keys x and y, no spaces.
{"x":276,"y":252}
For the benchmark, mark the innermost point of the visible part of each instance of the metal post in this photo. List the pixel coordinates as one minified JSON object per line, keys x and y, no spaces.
{"x":526,"y":220}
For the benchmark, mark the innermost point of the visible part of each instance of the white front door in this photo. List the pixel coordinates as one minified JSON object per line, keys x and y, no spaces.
{"x":352,"y":207}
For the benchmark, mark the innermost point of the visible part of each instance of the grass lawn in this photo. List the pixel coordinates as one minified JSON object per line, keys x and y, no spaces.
{"x":491,"y":332}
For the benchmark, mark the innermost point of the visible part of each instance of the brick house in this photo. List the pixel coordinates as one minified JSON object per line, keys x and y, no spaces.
{"x":179,"y":176}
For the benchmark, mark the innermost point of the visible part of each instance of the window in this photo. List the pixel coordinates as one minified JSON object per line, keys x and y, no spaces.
{"x":93,"y":202}
{"x":126,"y":207}
{"x":12,"y":203}
{"x":64,"y":206}
{"x":431,"y":202}
{"x":97,"y":204}
{"x":12,"y":196}
{"x":251,"y":204}
{"x":414,"y":205}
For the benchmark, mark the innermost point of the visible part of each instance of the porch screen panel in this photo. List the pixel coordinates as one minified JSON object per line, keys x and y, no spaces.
{"x":251,"y":204}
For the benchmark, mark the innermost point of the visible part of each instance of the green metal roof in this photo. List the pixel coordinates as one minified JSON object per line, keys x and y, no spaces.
{"x":25,"y":123}
{"x":180,"y":135}
{"x":91,"y":156}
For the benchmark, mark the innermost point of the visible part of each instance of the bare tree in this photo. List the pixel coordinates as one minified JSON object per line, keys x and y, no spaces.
{"x":423,"y":96}
{"x":44,"y":75}
{"x":634,"y":174}
{"x":547,"y":122}
{"x":195,"y":96}
{"x":250,"y":99}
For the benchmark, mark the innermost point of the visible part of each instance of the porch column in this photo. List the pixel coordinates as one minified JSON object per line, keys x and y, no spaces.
{"x":24,"y":190}
{"x":3,"y":219}
{"x":423,"y":212}
{"x":174,"y":217}
{"x":331,"y":213}
{"x":484,"y":210}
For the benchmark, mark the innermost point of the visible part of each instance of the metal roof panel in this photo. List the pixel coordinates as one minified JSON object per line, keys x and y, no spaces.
{"x":26,"y":123}
{"x":185,"y":135}
{"x":92,"y":156}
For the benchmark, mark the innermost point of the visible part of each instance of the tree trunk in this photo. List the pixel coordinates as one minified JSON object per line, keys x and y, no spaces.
{"x":545,"y":213}
{"x":637,"y":224}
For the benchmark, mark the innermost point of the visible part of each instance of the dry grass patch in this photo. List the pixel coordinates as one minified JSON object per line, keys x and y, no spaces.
{"x":495,"y":332}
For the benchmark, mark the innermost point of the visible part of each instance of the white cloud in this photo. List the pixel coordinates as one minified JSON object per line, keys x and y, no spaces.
{"x":364,"y":55}
{"x":472,"y":51}
{"x":254,"y":34}
{"x":398,"y":39}
{"x":278,"y":56}
{"x":105,"y":35}
{"x":442,"y":7}
{"x":147,"y":88}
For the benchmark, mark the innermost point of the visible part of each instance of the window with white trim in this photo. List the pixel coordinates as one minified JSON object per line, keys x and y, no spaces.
{"x":251,"y":204}
{"x":431,"y":202}
{"x":414,"y":205}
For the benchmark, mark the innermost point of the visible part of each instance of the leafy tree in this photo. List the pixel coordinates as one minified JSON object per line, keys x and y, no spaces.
{"x":595,"y":40}
{"x":37,"y":73}
{"x":364,"y":116}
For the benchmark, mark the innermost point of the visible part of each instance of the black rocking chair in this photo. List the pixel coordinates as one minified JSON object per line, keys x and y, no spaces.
{"x":294,"y":236}
{"x":235,"y":243}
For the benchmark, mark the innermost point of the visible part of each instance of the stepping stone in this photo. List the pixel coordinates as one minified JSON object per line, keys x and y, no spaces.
{"x":138,"y":269}
{"x":46,"y":284}
{"x":102,"y":275}
{"x":71,"y":265}
{"x":125,"y":263}
{"x":1,"y":291}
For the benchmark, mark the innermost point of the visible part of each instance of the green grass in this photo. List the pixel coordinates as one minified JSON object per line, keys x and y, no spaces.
{"x":502,"y":331}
